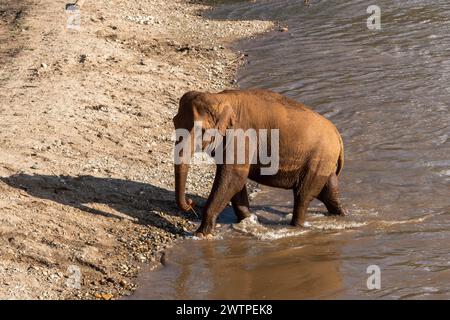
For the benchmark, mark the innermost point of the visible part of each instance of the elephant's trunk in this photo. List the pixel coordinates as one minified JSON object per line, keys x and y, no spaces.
{"x":183,"y":153}
{"x":181,"y":172}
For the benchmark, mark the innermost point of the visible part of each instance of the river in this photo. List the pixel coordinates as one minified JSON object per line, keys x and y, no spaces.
{"x":388,"y":93}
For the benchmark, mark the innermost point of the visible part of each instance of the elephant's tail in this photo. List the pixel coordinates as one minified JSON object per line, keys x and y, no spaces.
{"x":340,"y":163}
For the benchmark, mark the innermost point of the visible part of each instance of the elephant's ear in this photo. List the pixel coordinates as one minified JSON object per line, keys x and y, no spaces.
{"x":226,"y":119}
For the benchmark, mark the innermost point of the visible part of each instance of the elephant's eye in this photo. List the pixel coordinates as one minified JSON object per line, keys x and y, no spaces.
{"x":203,"y":112}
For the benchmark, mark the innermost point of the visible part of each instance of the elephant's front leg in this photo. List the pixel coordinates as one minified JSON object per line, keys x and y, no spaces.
{"x":229,"y":180}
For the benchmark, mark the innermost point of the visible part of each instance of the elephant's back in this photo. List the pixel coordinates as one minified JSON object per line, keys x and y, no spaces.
{"x":302,"y":131}
{"x":305,"y":135}
{"x":307,"y":124}
{"x":279,"y":107}
{"x":306,"y":138}
{"x":269,"y":100}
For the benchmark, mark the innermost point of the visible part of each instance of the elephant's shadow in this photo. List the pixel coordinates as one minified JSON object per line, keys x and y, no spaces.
{"x":140,"y":201}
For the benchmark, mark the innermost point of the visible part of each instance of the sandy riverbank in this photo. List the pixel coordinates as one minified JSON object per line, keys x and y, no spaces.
{"x":86,"y":178}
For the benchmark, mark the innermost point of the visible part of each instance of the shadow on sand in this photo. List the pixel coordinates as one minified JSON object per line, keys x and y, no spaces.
{"x":140,"y":201}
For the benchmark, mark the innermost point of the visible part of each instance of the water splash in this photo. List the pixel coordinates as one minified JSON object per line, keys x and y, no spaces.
{"x":252,"y":227}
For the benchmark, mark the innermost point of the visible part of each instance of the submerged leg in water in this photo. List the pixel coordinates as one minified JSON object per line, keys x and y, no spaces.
{"x":330,"y":196}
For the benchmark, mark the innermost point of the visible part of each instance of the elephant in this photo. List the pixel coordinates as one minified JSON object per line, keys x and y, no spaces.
{"x":310,"y":152}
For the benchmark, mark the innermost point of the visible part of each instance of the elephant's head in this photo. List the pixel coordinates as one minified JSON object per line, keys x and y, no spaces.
{"x":212,"y":111}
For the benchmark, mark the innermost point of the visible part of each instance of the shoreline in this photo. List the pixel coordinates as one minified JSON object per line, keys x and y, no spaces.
{"x":86,"y":180}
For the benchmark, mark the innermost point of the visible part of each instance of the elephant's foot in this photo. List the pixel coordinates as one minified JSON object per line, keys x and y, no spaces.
{"x":202,"y":236}
{"x":338,"y":212}
{"x":204,"y":231}
{"x":300,"y":224}
{"x":335,"y":208}
{"x":241,"y":215}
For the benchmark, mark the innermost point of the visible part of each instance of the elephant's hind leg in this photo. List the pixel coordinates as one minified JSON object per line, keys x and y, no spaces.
{"x":330,"y":196}
{"x":303,"y":195}
{"x":301,"y":203}
{"x":310,"y":184}
{"x":241,"y":204}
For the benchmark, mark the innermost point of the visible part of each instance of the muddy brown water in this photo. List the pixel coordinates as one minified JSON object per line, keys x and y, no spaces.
{"x":388,"y":93}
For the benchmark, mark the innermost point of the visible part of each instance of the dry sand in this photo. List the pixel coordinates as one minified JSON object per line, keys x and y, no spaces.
{"x":86,"y":177}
